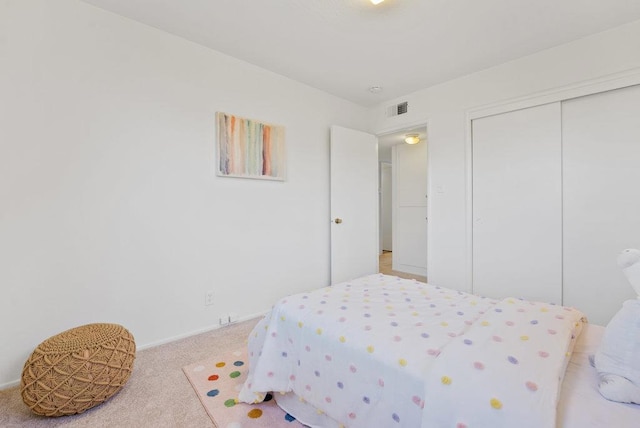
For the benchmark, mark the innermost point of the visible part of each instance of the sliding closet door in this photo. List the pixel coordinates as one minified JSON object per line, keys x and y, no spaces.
{"x":601,"y":157}
{"x":517,"y":191}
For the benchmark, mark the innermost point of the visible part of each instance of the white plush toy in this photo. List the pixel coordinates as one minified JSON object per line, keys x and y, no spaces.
{"x":618,"y":358}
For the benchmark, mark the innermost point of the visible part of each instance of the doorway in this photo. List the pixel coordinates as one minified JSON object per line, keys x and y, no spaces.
{"x":403,"y":203}
{"x":386,"y":207}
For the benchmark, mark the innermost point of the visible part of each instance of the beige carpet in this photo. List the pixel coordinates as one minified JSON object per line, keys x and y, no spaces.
{"x":157,"y":395}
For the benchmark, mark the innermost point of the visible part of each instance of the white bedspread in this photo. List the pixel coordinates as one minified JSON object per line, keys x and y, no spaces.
{"x":506,"y":370}
{"x":363,"y":352}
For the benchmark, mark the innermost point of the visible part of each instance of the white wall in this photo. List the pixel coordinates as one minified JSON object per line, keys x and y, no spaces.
{"x":445,"y":106}
{"x":110,"y":210}
{"x":384,"y":153}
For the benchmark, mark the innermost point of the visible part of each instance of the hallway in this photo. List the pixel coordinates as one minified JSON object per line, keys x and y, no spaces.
{"x":385,"y":267}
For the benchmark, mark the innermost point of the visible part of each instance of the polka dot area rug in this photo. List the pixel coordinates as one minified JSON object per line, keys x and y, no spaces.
{"x":217,"y":382}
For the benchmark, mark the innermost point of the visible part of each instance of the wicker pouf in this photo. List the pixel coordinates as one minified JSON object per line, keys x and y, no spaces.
{"x":77,"y":369}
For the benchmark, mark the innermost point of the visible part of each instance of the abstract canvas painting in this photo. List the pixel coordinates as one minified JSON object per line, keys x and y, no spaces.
{"x":248,"y":148}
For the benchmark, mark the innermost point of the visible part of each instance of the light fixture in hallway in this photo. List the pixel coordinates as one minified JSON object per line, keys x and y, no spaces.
{"x":412,"y":138}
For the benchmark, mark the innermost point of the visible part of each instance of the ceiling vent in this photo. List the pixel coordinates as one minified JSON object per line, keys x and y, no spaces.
{"x":397,"y":109}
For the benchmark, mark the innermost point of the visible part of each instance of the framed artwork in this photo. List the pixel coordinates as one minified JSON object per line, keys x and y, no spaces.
{"x":247,"y":148}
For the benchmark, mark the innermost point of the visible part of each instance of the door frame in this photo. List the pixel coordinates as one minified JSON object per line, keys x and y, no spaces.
{"x":558,"y":94}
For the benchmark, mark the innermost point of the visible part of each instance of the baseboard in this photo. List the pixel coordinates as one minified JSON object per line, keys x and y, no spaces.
{"x":196,"y":332}
{"x":413,"y":270}
{"x":14,"y":383}
{"x":9,"y":384}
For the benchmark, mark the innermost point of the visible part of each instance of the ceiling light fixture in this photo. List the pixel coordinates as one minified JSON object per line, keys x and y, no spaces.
{"x":412,"y":138}
{"x":376,"y":1}
{"x":375,"y":89}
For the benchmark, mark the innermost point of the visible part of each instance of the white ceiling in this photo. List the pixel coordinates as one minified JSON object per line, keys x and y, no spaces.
{"x":346,"y":46}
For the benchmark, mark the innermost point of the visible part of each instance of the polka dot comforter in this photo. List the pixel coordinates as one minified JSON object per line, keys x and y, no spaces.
{"x":381,"y":351}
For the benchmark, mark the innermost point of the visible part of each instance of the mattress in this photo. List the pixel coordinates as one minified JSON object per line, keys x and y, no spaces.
{"x":382,"y":351}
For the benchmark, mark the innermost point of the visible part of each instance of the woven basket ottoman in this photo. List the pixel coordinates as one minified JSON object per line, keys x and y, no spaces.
{"x":77,"y":369}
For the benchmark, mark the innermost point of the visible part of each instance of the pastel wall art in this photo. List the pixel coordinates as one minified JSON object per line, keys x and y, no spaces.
{"x":248,"y":148}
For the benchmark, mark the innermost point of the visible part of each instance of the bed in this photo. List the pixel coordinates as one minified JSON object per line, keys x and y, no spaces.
{"x":383,"y":351}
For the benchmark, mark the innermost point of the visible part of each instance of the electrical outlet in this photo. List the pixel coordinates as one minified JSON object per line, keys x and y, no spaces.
{"x":224,"y":320}
{"x":208,"y":298}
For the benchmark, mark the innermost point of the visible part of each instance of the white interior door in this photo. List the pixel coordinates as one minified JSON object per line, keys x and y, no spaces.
{"x":410,"y":208}
{"x":601,"y":167}
{"x":517,"y":202}
{"x":354,"y":204}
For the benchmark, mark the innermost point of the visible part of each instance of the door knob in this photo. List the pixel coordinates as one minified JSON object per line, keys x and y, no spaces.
{"x":338,"y":220}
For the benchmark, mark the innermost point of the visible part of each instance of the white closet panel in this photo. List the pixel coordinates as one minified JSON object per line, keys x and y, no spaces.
{"x":517,"y":191}
{"x":601,"y":168}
